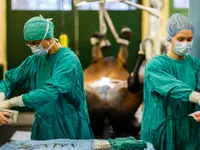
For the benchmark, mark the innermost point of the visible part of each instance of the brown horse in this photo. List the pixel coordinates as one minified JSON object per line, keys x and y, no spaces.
{"x":111,"y":102}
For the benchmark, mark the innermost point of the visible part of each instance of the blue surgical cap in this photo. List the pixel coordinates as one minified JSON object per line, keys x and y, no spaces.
{"x":35,"y":29}
{"x":176,"y":23}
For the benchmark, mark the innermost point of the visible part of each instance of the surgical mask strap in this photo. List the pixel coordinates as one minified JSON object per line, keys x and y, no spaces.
{"x":47,"y":28}
{"x":56,"y":40}
{"x":51,"y":45}
{"x":172,"y":38}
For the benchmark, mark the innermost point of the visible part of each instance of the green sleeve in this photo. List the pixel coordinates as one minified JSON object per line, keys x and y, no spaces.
{"x":62,"y":81}
{"x":159,"y":80}
{"x":197,"y":67}
{"x":16,"y":77}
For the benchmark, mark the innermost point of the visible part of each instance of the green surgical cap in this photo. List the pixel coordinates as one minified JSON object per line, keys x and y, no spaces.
{"x":35,"y":29}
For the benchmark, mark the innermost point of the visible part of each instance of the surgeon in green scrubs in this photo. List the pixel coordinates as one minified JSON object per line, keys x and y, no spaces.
{"x":54,"y":77}
{"x":171,"y":92}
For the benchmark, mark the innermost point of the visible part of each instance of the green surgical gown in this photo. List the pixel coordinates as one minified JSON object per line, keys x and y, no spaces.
{"x":56,"y":94}
{"x":167,"y":86}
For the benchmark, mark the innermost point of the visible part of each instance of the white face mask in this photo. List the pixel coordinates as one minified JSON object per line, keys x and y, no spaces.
{"x":182,"y":48}
{"x":39,"y":50}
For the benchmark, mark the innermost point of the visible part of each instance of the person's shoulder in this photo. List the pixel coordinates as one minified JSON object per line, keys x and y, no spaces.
{"x":67,"y":55}
{"x":29,"y":60}
{"x":157,"y":61}
{"x":31,"y":57}
{"x":67,"y":52}
{"x":195,"y":61}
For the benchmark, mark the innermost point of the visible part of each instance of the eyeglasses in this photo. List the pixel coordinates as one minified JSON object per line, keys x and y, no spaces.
{"x":32,"y":43}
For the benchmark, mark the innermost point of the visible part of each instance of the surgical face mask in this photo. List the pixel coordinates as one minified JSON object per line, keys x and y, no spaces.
{"x":39,"y":51}
{"x":182,"y":48}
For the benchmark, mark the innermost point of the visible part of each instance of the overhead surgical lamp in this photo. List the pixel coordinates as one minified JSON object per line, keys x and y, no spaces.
{"x":153,"y":11}
{"x":78,"y":3}
{"x":104,"y":14}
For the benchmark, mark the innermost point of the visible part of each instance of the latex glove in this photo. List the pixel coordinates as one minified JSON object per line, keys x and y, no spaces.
{"x":16,"y":101}
{"x":195,"y":97}
{"x":196,"y":116}
{"x":4,"y":118}
{"x":2,"y":96}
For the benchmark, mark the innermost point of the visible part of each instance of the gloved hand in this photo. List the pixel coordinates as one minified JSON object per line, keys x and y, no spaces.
{"x":195,"y":97}
{"x":2,"y":96}
{"x":196,"y":116}
{"x":16,"y":101}
{"x":4,"y":118}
